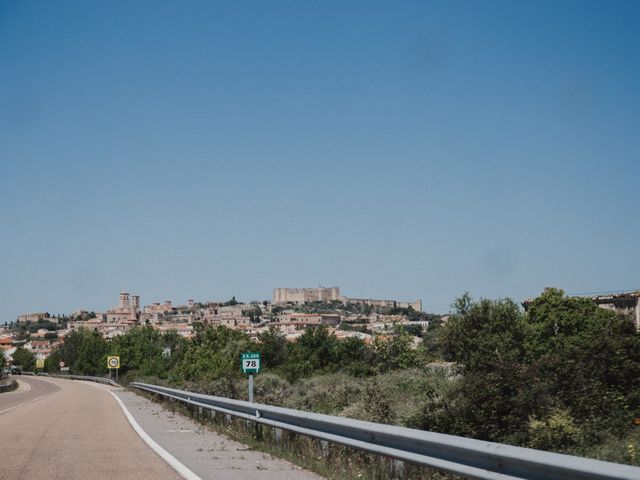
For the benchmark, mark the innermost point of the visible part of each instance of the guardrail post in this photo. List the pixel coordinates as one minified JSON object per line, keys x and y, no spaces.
{"x":397,"y":469}
{"x":277,"y":435}
{"x":324,"y":448}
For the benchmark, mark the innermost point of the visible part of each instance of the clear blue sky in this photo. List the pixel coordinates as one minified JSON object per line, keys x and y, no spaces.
{"x":395,"y":149}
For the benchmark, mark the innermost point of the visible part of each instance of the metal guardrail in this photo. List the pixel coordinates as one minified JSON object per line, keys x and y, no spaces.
{"x":463,"y":456}
{"x":106,"y":381}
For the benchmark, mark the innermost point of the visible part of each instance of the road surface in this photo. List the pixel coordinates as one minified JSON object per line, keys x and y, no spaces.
{"x":28,"y":391}
{"x":63,"y":429}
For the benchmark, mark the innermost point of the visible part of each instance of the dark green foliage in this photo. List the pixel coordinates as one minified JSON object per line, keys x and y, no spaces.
{"x":92,"y":354}
{"x":42,"y":323}
{"x":315,"y":350}
{"x":354,"y":357}
{"x":147,"y":352}
{"x":563,"y":372}
{"x":432,"y":343}
{"x":394,"y":353}
{"x":231,"y":303}
{"x":588,"y":357}
{"x":25,"y":359}
{"x":84,"y":352}
{"x":214,"y":353}
{"x":481,"y":334}
{"x":415,"y":330}
{"x":254,"y":313}
{"x":273,"y":348}
{"x":52,"y":362}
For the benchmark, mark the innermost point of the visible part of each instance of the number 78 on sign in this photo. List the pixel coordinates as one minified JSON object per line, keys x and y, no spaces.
{"x":251,"y":362}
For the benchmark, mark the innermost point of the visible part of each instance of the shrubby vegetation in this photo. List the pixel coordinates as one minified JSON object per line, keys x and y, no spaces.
{"x":25,"y":359}
{"x":562,"y":376}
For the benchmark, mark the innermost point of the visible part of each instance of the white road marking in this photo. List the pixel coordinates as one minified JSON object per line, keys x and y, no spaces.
{"x":21,"y":404}
{"x":22,"y":387}
{"x":166,"y":456}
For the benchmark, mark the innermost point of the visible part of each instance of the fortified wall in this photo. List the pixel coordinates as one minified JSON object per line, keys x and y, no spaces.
{"x":310,"y":295}
{"x":304,"y":295}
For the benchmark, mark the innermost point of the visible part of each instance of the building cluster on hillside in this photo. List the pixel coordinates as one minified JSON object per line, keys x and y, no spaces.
{"x":301,"y":296}
{"x":286,"y":314}
{"x":40,"y":343}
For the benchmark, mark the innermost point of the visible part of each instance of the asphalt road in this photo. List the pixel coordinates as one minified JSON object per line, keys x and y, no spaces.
{"x":61,"y":429}
{"x":29,"y":390}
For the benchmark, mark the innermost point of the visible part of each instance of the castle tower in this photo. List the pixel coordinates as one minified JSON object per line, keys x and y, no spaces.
{"x":124,"y":300}
{"x":135,"y":303}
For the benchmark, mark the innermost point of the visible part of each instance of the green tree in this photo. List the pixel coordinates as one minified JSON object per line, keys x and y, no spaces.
{"x":480,"y":334}
{"x":520,"y":369}
{"x":497,"y":392}
{"x":142,"y":349}
{"x":354,"y":357}
{"x":314,"y":350}
{"x":213,"y":354}
{"x":273,"y":348}
{"x":70,"y":348}
{"x":432,"y":344}
{"x":52,"y":362}
{"x":25,"y":359}
{"x":394,"y":353}
{"x":92,"y":354}
{"x":588,"y":358}
{"x":412,"y":329}
{"x":231,"y":303}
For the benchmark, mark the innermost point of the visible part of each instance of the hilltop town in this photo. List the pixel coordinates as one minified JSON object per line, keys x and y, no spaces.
{"x":290,"y":311}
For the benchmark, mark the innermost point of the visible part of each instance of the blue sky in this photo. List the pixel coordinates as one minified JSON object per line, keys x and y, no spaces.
{"x":395,"y":149}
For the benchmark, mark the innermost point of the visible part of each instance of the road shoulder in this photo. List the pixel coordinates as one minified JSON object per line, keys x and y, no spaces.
{"x":206,"y":453}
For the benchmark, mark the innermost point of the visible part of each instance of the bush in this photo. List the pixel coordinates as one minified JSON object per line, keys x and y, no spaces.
{"x":377,"y":404}
{"x":557,"y":432}
{"x":328,"y":394}
{"x":271,"y":389}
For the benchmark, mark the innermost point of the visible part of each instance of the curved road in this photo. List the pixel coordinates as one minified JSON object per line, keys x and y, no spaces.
{"x":28,"y":391}
{"x":60,"y":429}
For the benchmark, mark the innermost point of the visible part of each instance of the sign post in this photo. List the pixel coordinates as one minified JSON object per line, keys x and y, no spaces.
{"x":251,"y":363}
{"x":113,"y":362}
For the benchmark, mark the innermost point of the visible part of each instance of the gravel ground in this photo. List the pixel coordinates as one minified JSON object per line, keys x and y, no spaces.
{"x":206,"y":453}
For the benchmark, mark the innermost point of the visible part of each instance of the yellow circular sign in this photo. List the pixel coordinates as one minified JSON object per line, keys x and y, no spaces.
{"x":113,"y":362}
